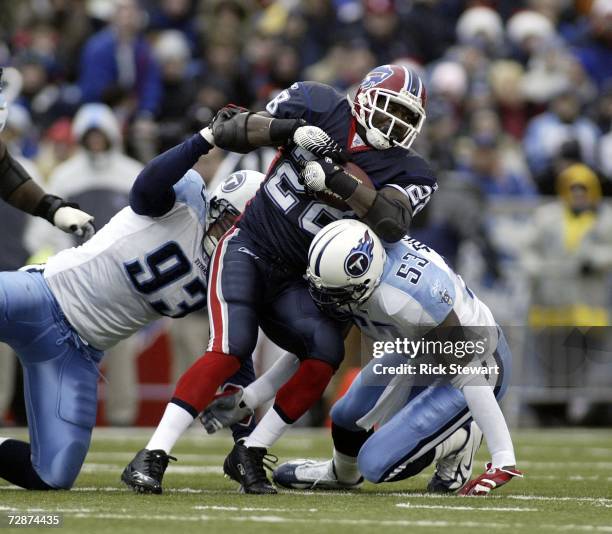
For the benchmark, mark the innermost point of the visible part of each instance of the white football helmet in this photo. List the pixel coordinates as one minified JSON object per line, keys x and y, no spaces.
{"x":229,"y":200}
{"x":345,"y":263}
{"x":390,"y":105}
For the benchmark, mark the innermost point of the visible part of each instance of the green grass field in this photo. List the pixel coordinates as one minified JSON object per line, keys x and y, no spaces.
{"x":567,"y":487}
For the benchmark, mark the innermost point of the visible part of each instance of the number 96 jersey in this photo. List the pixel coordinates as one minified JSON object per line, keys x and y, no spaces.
{"x":135,"y":269}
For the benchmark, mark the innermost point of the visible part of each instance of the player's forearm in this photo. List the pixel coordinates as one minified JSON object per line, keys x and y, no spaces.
{"x":488,"y":416}
{"x":266,"y":386}
{"x":152,"y":193}
{"x":385,"y":212}
{"x":16,"y":185}
{"x":247,"y":131}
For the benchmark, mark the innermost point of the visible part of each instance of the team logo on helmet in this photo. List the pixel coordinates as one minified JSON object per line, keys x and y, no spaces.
{"x":376,"y":77}
{"x":233,"y":182}
{"x":360,"y":258}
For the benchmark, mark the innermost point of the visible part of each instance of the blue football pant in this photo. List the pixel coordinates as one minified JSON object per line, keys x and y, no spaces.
{"x":430,"y":415}
{"x":60,"y":376}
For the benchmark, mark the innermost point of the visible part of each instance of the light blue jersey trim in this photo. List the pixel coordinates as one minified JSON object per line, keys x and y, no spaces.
{"x":418,"y":276}
{"x":191,"y":190}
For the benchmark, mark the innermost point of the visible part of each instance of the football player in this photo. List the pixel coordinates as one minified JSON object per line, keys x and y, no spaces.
{"x":407,"y":292}
{"x":150,"y":260}
{"x":257,"y":269}
{"x":18,"y":189}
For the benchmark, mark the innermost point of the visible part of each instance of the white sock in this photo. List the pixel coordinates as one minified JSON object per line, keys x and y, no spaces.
{"x":346,"y":468}
{"x":268,"y":430}
{"x":450,"y":444}
{"x":266,"y":386}
{"x":489,"y":417}
{"x":171,"y":427}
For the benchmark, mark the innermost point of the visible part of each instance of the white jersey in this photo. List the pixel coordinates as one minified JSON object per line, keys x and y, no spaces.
{"x":135,"y":269}
{"x":417,"y":292}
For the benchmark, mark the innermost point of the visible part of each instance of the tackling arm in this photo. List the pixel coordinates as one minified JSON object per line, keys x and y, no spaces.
{"x":245,"y":131}
{"x":153,"y":191}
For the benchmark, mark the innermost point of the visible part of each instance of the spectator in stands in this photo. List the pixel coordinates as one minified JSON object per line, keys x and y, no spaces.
{"x":179,"y":88}
{"x":569,"y":253}
{"x":563,"y":122}
{"x":595,"y":50}
{"x":486,"y":169}
{"x":568,"y":259}
{"x":118,"y":67}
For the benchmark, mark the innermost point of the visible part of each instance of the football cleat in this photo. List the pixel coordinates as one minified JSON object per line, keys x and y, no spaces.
{"x":310,"y":474}
{"x":226,"y":410}
{"x":145,"y":472}
{"x":492,"y":478}
{"x":454,"y":471}
{"x":246,"y":465}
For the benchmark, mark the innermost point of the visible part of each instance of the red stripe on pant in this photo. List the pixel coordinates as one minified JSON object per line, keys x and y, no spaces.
{"x":198,"y":385}
{"x":303,"y":389}
{"x":214,"y":302}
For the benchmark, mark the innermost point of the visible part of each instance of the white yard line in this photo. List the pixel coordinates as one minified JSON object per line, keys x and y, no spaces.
{"x":464,"y":508}
{"x":252,"y":509}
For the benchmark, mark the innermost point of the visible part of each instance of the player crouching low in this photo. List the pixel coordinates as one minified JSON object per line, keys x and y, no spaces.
{"x":407,"y":291}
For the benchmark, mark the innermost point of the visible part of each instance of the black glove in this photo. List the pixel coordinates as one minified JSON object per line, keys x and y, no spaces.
{"x":229,"y":129}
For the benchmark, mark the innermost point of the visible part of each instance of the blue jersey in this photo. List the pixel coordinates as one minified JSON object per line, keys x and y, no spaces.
{"x":283,"y":217}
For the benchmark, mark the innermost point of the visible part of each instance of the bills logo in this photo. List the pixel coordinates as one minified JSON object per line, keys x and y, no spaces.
{"x":376,"y":77}
{"x":233,"y":182}
{"x":360,"y":258}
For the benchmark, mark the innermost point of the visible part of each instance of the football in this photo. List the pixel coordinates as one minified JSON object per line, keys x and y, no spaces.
{"x":334,"y":200}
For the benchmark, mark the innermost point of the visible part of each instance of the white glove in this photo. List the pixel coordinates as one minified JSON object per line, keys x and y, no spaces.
{"x":319,"y":143}
{"x":314,"y":176}
{"x":74,"y":221}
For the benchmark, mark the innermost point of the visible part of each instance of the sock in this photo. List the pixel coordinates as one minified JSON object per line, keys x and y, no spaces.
{"x":450,"y":444}
{"x":303,"y":389}
{"x":489,"y":417}
{"x":266,"y":386}
{"x":16,"y":465}
{"x":173,"y":424}
{"x":346,"y":468}
{"x":349,"y":442}
{"x":268,"y":430}
{"x":197,"y":387}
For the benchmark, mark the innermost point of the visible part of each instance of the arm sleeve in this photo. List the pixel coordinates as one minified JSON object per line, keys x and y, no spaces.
{"x":489,"y":417}
{"x":266,"y":386}
{"x":153,"y":191}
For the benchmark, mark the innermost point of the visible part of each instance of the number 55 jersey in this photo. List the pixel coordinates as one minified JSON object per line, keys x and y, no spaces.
{"x":135,"y":269}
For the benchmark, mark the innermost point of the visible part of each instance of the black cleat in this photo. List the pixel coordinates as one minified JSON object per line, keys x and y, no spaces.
{"x":245,"y":465}
{"x":145,"y":472}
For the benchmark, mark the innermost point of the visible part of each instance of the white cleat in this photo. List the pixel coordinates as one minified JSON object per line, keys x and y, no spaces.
{"x":455,"y":470}
{"x":310,"y":474}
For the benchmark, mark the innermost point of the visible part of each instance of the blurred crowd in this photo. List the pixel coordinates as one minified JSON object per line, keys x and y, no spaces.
{"x":519,"y":106}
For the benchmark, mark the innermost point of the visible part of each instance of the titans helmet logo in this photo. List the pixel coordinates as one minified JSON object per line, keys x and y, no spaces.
{"x":376,"y":77}
{"x":360,"y":258}
{"x":233,"y":182}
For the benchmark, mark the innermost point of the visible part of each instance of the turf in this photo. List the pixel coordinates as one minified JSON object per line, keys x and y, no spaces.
{"x":568,"y":487}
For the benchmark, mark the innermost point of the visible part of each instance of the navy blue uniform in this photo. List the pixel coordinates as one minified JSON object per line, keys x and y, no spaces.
{"x":277,"y":227}
{"x":283,"y":215}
